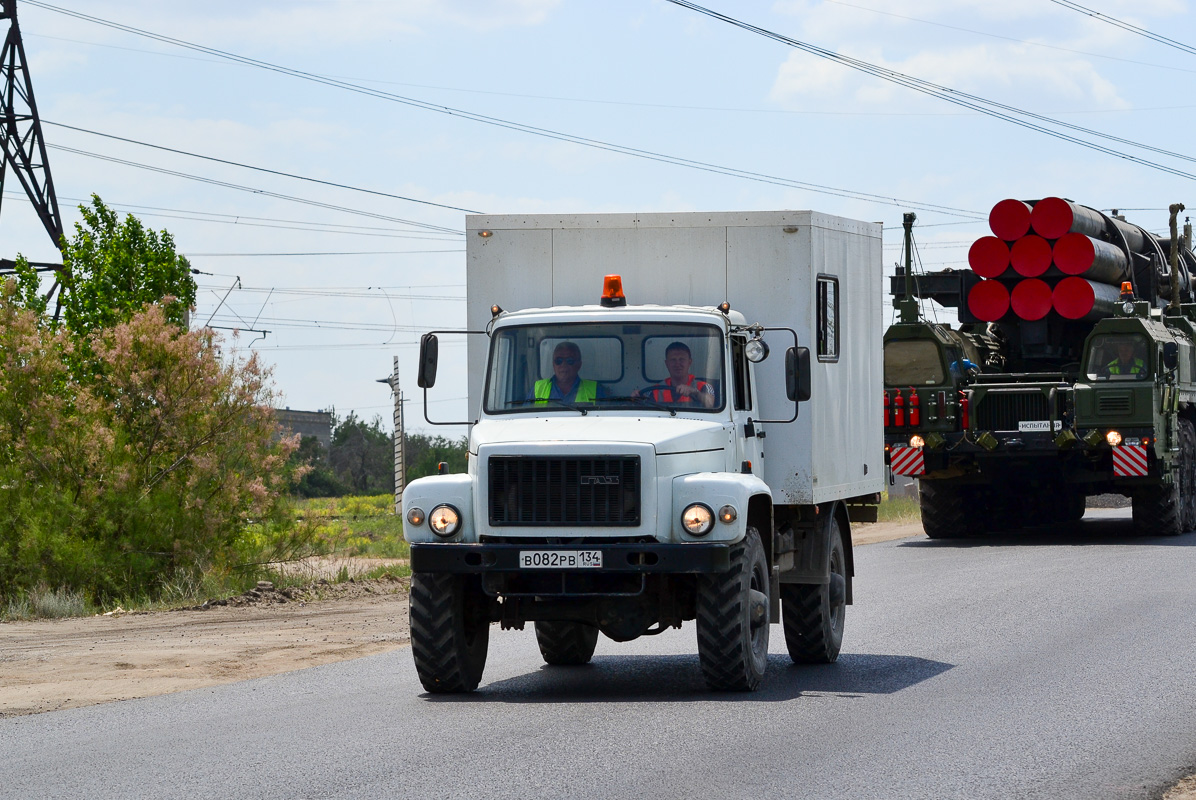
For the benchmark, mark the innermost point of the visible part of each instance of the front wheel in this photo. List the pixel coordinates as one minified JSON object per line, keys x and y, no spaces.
{"x":733,"y":619}
{"x":450,"y":634}
{"x":814,"y":614}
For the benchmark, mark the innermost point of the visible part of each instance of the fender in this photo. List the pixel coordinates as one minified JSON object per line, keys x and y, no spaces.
{"x":811,"y":546}
{"x":715,"y":490}
{"x":434,"y":490}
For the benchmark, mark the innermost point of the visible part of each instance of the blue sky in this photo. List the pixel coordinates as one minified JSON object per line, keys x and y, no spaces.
{"x":645,"y":75}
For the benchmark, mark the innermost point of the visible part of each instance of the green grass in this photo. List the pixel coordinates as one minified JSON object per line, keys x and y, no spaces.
{"x":898,"y":509}
{"x":45,"y":603}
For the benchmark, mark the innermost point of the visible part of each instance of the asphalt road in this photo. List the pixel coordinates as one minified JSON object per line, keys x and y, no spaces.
{"x":1053,"y":665}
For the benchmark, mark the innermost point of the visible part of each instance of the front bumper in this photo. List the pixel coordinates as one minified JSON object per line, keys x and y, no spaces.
{"x":693,"y":558}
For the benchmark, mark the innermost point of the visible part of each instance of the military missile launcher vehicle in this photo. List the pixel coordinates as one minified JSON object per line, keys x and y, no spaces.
{"x":1072,"y":373}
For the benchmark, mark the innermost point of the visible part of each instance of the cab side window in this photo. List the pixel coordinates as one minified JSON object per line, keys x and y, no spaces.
{"x":740,"y":375}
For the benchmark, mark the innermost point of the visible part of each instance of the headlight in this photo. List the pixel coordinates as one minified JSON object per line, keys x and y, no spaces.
{"x":727,"y":514}
{"x":1113,"y":438}
{"x":697,"y":519}
{"x":917,"y":441}
{"x":415,"y":517}
{"x":444,"y":520}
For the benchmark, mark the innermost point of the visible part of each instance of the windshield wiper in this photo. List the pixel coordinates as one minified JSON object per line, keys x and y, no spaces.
{"x":646,"y":400}
{"x":550,"y":402}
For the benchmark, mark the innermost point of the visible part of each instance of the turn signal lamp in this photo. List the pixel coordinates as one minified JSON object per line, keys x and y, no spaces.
{"x":612,"y":291}
{"x":415,"y":516}
{"x":727,"y":514}
{"x":1113,"y":438}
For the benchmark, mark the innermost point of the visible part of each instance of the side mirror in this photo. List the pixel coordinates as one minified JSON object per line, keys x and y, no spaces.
{"x":797,"y":374}
{"x":429,"y":352}
{"x":1170,"y":355}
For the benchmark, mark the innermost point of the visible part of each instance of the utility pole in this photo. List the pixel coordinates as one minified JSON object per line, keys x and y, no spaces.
{"x":21,"y":137}
{"x":400,"y":463}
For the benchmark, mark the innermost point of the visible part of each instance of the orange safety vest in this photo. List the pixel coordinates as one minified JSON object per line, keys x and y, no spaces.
{"x":666,"y":395}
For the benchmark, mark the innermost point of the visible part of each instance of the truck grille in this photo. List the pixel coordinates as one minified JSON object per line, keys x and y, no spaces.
{"x":600,"y":491}
{"x":1002,"y":411}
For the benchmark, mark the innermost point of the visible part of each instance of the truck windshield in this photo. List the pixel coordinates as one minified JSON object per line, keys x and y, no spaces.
{"x":583,"y":366}
{"x":913,"y":362}
{"x":1118,"y":357}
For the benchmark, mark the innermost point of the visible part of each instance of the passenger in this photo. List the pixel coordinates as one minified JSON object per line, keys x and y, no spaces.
{"x":565,"y":385}
{"x":681,"y":386}
{"x":1126,"y":363}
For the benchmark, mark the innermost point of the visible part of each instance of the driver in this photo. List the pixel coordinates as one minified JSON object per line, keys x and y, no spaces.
{"x":565,"y":385}
{"x":681,"y":386}
{"x":1126,"y":363}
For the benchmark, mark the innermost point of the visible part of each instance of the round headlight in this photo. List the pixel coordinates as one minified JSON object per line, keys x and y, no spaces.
{"x":756,"y":350}
{"x":444,"y":520}
{"x":1113,"y":438}
{"x":727,"y":514}
{"x":1128,"y":307}
{"x":415,"y":516}
{"x":697,"y":519}
{"x":917,"y":441}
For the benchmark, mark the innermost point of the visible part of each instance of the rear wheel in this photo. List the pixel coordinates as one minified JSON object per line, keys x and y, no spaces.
{"x":733,"y":619}
{"x":566,"y":644}
{"x":948,"y":510}
{"x":1158,"y":511}
{"x":814,"y":615}
{"x":450,"y":634}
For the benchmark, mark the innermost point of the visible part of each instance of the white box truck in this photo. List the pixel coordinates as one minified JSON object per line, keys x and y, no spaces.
{"x":637,"y":457}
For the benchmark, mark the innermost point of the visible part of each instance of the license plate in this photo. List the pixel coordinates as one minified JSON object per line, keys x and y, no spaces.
{"x":560,"y":559}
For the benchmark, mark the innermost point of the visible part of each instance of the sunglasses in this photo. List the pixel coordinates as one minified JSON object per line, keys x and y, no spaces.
{"x":569,"y":361}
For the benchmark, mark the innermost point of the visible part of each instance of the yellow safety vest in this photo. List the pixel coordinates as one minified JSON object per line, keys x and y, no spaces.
{"x":587,"y":391}
{"x":1138,"y":366}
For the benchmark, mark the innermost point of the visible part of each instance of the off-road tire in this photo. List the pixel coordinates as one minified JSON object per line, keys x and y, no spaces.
{"x":733,"y":620}
{"x":949,"y":511}
{"x":813,"y":615}
{"x":1158,"y":510}
{"x":449,"y":632}
{"x":566,"y":644}
{"x":1187,"y":484}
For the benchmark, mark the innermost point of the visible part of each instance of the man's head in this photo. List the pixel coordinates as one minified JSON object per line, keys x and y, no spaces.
{"x":677,"y":360}
{"x":566,"y":362}
{"x":1125,"y":351}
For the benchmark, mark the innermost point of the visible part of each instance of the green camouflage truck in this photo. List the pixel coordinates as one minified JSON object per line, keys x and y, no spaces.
{"x":1016,"y":416}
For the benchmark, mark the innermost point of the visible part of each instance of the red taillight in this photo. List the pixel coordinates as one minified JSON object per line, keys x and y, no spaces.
{"x":898,"y":409}
{"x":887,"y":420}
{"x":963,"y":409}
{"x":915,"y":407}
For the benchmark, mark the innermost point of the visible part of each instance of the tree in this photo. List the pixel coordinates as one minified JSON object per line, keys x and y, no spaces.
{"x":362,"y":455}
{"x":111,"y":271}
{"x":319,"y":480}
{"x":424,"y":453}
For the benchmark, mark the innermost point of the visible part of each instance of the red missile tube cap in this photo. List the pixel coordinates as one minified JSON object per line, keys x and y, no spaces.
{"x":1031,"y":299}
{"x":1030,"y":256}
{"x":988,"y":256}
{"x":1073,"y":298}
{"x":1074,"y":253}
{"x":1052,"y":217}
{"x":988,"y":301}
{"x":1010,"y":219}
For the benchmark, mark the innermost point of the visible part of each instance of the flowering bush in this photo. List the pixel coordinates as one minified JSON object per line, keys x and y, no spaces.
{"x":134,"y":464}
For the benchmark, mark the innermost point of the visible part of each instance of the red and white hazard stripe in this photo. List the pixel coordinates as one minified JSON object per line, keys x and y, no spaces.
{"x":1129,"y":461}
{"x":906,"y":460}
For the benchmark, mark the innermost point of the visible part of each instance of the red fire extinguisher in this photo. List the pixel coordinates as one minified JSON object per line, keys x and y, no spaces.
{"x":888,"y":418}
{"x":964,"y":404}
{"x":898,"y":409}
{"x":915,"y":410}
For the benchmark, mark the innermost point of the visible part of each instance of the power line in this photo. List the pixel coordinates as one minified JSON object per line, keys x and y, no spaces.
{"x":518,"y":126}
{"x":1125,"y":26}
{"x":250,"y":189}
{"x":988,"y":107}
{"x":259,"y":169}
{"x":344,"y":253}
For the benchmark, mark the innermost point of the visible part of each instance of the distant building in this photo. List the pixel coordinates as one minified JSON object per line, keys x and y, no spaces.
{"x":307,"y":423}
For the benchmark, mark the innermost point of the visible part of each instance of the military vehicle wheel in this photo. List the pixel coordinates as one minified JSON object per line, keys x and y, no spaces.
{"x":814,"y":615}
{"x":1073,"y":507}
{"x":1187,"y":483}
{"x":1158,"y":510}
{"x":450,"y":634}
{"x":566,"y":644}
{"x":733,"y":619}
{"x":949,"y":511}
